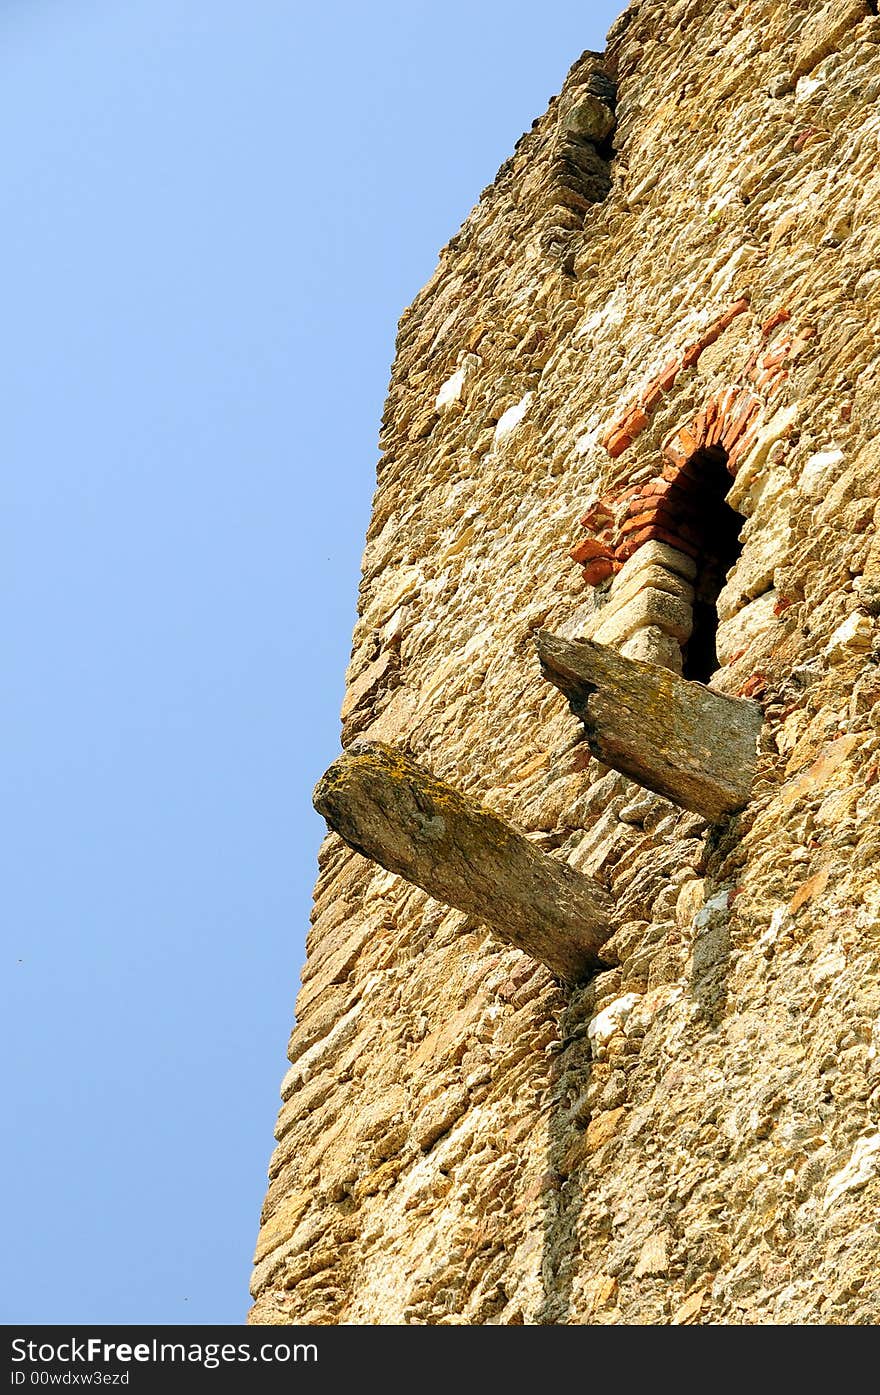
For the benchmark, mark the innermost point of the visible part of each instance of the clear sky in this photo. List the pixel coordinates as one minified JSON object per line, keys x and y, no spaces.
{"x":212,"y":213}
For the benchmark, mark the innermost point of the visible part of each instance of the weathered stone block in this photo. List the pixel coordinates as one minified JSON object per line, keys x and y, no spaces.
{"x":652,"y":646}
{"x":824,"y":32}
{"x":854,"y":636}
{"x":735,"y":635}
{"x":670,"y":614}
{"x":587,"y":116}
{"x":394,"y":811}
{"x":653,"y":576}
{"x":696,"y":747}
{"x":652,"y":554}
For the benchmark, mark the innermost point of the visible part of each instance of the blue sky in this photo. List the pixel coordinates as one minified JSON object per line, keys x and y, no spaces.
{"x":211,"y":216}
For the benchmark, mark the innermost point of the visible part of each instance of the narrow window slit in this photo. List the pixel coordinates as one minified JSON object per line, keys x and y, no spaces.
{"x":716,"y":527}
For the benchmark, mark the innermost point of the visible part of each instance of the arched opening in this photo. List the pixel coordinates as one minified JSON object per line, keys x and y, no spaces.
{"x":715,"y":528}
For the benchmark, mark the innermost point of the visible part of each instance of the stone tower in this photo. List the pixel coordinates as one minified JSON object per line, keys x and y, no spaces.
{"x":634,"y":414}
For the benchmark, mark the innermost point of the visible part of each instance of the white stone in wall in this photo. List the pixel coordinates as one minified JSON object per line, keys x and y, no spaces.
{"x":398,"y":585}
{"x":769,"y":492}
{"x":808,"y":85}
{"x":511,"y":419}
{"x":612,"y":312}
{"x":829,"y":966}
{"x":451,"y":390}
{"x":610,"y":1020}
{"x":589,"y":441}
{"x":858,"y":1172}
{"x":311,"y":1060}
{"x":819,"y":471}
{"x":854,"y":636}
{"x":643,"y":188}
{"x":724,"y":280}
{"x":779,"y":920}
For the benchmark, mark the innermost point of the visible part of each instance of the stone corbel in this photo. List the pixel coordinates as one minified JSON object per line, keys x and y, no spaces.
{"x":680,"y":739}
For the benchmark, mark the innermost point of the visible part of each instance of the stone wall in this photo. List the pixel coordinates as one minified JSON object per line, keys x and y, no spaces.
{"x":682,"y":255}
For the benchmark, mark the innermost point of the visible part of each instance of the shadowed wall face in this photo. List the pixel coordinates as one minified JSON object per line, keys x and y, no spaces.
{"x":674,"y":274}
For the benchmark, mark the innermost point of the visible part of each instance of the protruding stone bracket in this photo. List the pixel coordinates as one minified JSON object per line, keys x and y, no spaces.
{"x":678,"y":738}
{"x":400,"y":815}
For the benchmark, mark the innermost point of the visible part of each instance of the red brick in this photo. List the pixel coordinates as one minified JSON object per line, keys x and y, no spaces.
{"x":598,"y":513}
{"x":812,"y":887}
{"x":618,"y":443}
{"x":739,"y":420}
{"x":774,"y":357}
{"x":683,"y":528}
{"x":647,"y":519}
{"x":742,"y":447}
{"x":599,"y":570}
{"x":718,"y":326}
{"x":754,"y":686}
{"x":691,"y":354}
{"x":660,"y":519}
{"x":726,"y":404}
{"x":634,"y":422}
{"x":646,"y":501}
{"x":650,"y":395}
{"x":684,"y":504}
{"x":733,"y":459}
{"x":687,"y":545}
{"x":666,"y":488}
{"x":683,"y":443}
{"x":621,"y":495}
{"x":739,"y":307}
{"x":684,"y":474}
{"x":625,"y":550}
{"x":803,"y":138}
{"x":588,"y":548}
{"x":798,"y":344}
{"x":713,"y":435}
{"x":638,"y":521}
{"x":764,"y":377}
{"x":668,"y":374}
{"x":676,"y":455}
{"x":777,"y":318}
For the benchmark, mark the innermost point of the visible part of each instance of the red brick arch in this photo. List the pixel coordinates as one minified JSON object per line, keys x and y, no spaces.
{"x":665,"y":508}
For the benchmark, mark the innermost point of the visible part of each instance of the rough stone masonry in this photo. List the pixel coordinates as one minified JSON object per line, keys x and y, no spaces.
{"x":637,"y":405}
